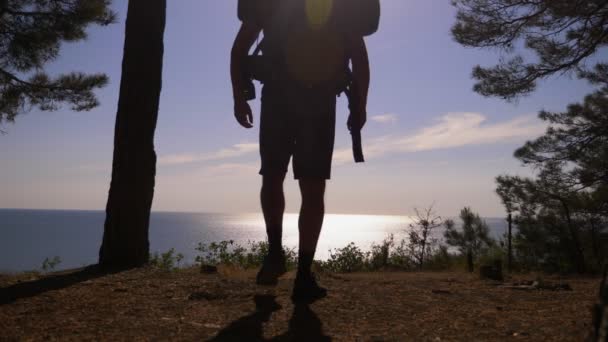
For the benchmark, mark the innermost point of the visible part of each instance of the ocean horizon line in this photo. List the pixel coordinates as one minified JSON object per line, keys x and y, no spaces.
{"x":223,"y":213}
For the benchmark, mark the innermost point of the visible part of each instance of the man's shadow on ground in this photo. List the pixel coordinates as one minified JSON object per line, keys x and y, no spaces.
{"x":304,"y":324}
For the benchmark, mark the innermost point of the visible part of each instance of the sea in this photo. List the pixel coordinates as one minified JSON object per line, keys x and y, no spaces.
{"x":28,"y":237}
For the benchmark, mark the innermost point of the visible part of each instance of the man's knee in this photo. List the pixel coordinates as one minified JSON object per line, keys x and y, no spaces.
{"x":272,"y":183}
{"x":313,"y":190}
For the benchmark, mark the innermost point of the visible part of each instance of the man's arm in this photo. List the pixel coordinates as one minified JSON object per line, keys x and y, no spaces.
{"x":245,"y":38}
{"x":361,"y":78}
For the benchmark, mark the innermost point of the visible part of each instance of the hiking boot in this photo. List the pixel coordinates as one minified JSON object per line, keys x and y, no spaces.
{"x":272,"y":268}
{"x":307,"y":290}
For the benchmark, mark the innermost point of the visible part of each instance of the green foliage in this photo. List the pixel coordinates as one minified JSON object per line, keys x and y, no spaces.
{"x":491,"y":254}
{"x":400,"y":256}
{"x":385,"y":256}
{"x":473,"y":237}
{"x":561,"y":215}
{"x":563,"y":34}
{"x":557,"y":231}
{"x":380,"y":254}
{"x":575,"y":145}
{"x":347,"y":259}
{"x":49,"y":265}
{"x":167,"y":261}
{"x":230,"y":253}
{"x":32,"y":33}
{"x":440,"y":259}
{"x":351,"y":258}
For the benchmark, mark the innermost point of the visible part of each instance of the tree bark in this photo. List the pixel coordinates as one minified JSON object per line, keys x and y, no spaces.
{"x":509,"y":246}
{"x":125,"y":239}
{"x":577,"y":251}
{"x":595,"y":242}
{"x":470,"y":265}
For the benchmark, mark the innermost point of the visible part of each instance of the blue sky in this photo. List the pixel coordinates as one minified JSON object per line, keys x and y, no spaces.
{"x":430,"y":138}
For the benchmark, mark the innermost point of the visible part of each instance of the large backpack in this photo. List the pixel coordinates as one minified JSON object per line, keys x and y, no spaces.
{"x":293,"y":46}
{"x":359,"y":16}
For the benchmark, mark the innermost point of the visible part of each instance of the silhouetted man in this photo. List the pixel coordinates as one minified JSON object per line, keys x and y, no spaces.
{"x":308,"y":55}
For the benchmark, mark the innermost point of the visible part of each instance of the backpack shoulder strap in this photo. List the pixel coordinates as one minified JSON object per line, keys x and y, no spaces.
{"x":277,"y":24}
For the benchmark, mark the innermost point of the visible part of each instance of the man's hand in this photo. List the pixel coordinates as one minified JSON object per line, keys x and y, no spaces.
{"x":243,"y":114}
{"x":360,"y":82}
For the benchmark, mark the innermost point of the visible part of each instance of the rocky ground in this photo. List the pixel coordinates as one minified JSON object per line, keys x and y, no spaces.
{"x":148,"y":304}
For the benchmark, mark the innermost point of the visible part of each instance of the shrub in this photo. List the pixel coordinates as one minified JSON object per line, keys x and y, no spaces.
{"x":49,"y":265}
{"x":441,"y":259}
{"x":386,"y":255}
{"x":231,"y":253}
{"x":379,"y":254}
{"x":168,"y":261}
{"x":347,"y":259}
{"x":400,"y":257}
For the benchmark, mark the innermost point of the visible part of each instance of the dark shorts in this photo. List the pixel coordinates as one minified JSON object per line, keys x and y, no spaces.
{"x":299,"y":123}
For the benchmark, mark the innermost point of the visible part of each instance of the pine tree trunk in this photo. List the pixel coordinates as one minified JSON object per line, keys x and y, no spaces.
{"x":509,"y":246}
{"x":470,"y":265}
{"x":125,"y":239}
{"x":576,"y":251}
{"x":600,"y":312}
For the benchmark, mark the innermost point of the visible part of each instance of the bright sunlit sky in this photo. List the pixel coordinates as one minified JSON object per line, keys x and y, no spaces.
{"x":429,"y":137}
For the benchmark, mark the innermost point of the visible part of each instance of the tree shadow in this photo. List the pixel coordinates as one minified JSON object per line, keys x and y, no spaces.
{"x":304,"y":324}
{"x":56,"y":281}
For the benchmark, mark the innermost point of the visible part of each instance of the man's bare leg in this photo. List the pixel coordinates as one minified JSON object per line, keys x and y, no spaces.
{"x":273,"y":207}
{"x":310,"y":221}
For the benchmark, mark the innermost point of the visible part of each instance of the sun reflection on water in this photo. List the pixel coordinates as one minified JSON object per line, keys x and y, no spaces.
{"x":338,"y":229}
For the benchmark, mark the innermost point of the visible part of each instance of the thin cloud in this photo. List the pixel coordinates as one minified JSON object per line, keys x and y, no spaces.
{"x":384,"y":119}
{"x":234,"y":168}
{"x":235,"y":151}
{"x":453,"y":130}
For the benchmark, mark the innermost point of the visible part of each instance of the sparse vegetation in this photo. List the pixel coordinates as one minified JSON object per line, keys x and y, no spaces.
{"x":421,"y":243}
{"x":231,"y":253}
{"x":472,"y":240}
{"x":49,"y":264}
{"x":167,"y":261}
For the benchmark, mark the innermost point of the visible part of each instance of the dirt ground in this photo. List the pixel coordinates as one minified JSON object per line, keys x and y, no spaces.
{"x":148,"y":304}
